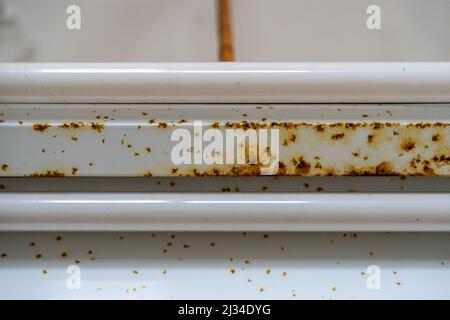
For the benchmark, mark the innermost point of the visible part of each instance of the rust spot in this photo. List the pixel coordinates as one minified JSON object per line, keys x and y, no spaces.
{"x":162,"y":125}
{"x":436,"y":137}
{"x":408,"y":145}
{"x":148,"y":149}
{"x":72,"y":125}
{"x":48,"y":173}
{"x":41,"y":127}
{"x":5,"y":167}
{"x":384,"y":169}
{"x":338,"y":136}
{"x":97,"y":126}
{"x":147,"y":174}
{"x":301,"y":166}
{"x":370,"y":138}
{"x":74,"y":171}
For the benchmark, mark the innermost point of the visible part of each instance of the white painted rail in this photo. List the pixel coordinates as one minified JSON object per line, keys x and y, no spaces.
{"x":225,"y":82}
{"x":225,"y":211}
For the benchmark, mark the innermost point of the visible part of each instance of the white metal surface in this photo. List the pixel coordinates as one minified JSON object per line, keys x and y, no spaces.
{"x":217,"y":265}
{"x":226,"y":82}
{"x":224,"y":211}
{"x":138,"y":140}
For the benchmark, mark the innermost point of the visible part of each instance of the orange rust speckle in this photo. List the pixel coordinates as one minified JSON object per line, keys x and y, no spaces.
{"x":162,"y":125}
{"x":97,"y":126}
{"x":436,"y":137}
{"x":5,"y":167}
{"x":301,"y":166}
{"x":74,"y":171}
{"x":370,"y":138}
{"x":72,"y":125}
{"x":147,"y":174}
{"x":338,"y":136}
{"x":384,"y":169}
{"x":41,"y":127}
{"x":408,"y":145}
{"x":148,"y":149}
{"x":232,"y":271}
{"x":48,"y":173}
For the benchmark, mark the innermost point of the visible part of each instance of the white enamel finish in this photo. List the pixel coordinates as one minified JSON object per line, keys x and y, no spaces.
{"x":224,"y":211}
{"x":297,"y":265}
{"x":133,"y":142}
{"x":226,"y":82}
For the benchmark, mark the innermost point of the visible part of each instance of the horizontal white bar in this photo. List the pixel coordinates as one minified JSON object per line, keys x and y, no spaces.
{"x":225,"y":211}
{"x":225,"y":82}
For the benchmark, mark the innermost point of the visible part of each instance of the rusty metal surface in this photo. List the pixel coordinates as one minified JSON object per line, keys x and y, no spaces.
{"x":136,"y":140}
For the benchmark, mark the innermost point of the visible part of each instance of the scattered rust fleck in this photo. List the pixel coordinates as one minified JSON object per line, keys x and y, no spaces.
{"x":148,"y":149}
{"x":408,"y":145}
{"x":162,"y":125}
{"x":97,"y":126}
{"x":74,"y":171}
{"x":338,"y":136}
{"x":5,"y":167}
{"x":41,"y":127}
{"x":64,"y":254}
{"x":48,"y":173}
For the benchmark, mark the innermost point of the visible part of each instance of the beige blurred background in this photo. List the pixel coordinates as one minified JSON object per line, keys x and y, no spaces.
{"x":185,"y":31}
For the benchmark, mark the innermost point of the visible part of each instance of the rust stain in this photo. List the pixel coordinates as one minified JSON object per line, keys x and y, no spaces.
{"x":48,"y":173}
{"x":41,"y":127}
{"x":97,"y":126}
{"x":408,"y":145}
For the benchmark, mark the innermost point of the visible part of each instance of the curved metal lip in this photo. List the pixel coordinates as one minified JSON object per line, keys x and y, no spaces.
{"x":374,"y":82}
